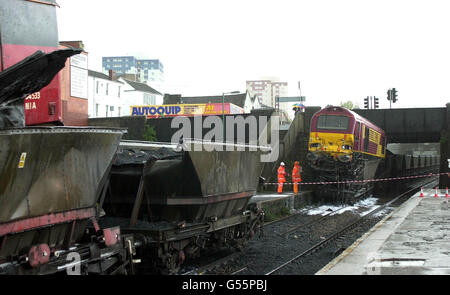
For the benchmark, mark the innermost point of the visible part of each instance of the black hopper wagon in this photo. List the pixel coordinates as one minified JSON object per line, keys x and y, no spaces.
{"x":180,"y":199}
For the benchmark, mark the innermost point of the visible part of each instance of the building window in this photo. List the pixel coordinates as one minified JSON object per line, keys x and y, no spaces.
{"x":96,"y":109}
{"x":119,"y":111}
{"x":149,"y":99}
{"x":107,"y":88}
{"x":107,"y":109}
{"x":96,"y":87}
{"x":118,"y":94}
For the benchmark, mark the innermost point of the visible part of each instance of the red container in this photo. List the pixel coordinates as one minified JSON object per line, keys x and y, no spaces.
{"x":25,"y":27}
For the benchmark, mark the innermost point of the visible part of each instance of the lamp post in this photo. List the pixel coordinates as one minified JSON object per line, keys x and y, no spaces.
{"x":223,"y":111}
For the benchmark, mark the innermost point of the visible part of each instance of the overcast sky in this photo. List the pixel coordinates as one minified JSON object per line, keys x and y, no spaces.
{"x":339,"y":50}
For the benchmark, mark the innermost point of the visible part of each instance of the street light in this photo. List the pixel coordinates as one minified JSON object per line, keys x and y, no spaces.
{"x":223,"y":111}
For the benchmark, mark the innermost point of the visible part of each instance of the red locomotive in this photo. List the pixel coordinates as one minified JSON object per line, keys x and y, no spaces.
{"x":344,"y":146}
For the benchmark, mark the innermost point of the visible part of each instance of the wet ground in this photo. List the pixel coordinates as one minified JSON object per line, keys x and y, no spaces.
{"x":265,"y":253}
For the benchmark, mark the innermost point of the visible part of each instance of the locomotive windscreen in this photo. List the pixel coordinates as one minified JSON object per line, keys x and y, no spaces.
{"x":332,"y":122}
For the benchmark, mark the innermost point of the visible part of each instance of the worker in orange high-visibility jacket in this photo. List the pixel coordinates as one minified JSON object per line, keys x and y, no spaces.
{"x":281,"y":177}
{"x":296,"y":177}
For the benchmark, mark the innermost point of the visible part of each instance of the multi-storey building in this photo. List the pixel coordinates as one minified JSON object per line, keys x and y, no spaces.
{"x":262,"y":89}
{"x":152,"y":72}
{"x":279,"y":89}
{"x":266,"y":90}
{"x":120,"y":65}
{"x":149,"y":71}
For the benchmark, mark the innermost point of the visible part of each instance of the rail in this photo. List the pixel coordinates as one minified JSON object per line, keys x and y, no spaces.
{"x":342,"y":231}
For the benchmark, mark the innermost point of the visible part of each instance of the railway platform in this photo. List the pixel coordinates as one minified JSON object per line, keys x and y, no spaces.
{"x":268,"y":197}
{"x":277,"y":203}
{"x":414,"y":239}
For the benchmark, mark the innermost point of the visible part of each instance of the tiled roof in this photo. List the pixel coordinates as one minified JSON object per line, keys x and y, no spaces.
{"x":98,"y":75}
{"x":101,"y":76}
{"x":141,"y":87}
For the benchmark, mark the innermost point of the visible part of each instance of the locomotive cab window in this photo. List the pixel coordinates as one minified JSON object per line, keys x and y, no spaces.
{"x":332,"y":122}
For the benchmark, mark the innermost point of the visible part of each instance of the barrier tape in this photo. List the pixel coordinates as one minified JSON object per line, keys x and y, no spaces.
{"x":362,"y":181}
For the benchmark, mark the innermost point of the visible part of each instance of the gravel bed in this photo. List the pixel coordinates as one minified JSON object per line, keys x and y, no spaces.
{"x":265,"y":253}
{"x":312,"y":263}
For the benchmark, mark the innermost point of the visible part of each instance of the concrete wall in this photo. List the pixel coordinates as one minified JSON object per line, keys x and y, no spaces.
{"x":293,"y":147}
{"x":135,"y":125}
{"x":162,"y":126}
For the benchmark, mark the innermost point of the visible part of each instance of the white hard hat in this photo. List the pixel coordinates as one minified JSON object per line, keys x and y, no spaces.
{"x":282,"y":164}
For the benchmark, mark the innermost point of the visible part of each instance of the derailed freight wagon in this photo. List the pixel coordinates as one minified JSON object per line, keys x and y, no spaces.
{"x":50,"y":181}
{"x":178,"y":200}
{"x":50,"y":177}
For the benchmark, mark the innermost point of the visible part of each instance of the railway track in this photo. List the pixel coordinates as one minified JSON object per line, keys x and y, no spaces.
{"x":339,"y":233}
{"x":302,"y":225}
{"x":215,"y":264}
{"x":323,"y":217}
{"x":225,"y":265}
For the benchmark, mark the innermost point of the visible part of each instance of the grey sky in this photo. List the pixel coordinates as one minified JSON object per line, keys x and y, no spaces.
{"x":339,"y":50}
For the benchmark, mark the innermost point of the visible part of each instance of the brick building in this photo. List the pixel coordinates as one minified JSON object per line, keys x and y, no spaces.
{"x":74,"y":87}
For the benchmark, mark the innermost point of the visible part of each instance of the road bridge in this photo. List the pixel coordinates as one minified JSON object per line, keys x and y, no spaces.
{"x":417,"y":125}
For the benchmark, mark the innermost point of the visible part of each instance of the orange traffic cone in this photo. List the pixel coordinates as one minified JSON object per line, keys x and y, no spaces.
{"x":446,"y":193}
{"x":421,"y":192}
{"x":436,"y":193}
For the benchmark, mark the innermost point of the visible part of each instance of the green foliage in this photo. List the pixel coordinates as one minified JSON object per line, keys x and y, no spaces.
{"x":149,"y":133}
{"x":349,"y":105}
{"x":271,"y":214}
{"x":284,"y":211}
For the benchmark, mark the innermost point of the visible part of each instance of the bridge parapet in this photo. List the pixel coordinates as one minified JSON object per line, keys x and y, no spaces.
{"x":409,"y":125}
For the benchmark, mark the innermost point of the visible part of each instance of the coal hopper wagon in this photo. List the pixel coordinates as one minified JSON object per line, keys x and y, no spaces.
{"x":50,"y":177}
{"x":178,"y":201}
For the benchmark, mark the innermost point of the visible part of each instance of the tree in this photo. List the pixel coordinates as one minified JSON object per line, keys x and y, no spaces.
{"x":149,"y":133}
{"x":349,"y":105}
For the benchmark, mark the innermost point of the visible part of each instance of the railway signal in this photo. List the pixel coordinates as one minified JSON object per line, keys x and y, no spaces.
{"x":375,"y":103}
{"x":394,"y":95}
{"x":389,"y":93}
{"x":366,"y":103}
